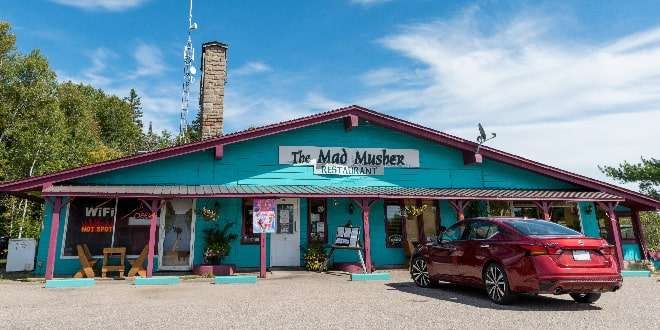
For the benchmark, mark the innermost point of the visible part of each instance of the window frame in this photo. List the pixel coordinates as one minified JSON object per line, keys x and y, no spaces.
{"x":400,"y":203}
{"x":245,"y":202}
{"x":323,"y":216}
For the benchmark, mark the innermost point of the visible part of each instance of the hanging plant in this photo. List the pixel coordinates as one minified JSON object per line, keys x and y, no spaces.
{"x":209,"y":214}
{"x":414,"y":211}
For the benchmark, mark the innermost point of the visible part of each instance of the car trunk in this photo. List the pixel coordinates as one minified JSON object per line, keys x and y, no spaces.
{"x":576,"y":252}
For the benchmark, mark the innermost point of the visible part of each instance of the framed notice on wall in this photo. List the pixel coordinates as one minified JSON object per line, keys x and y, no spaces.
{"x":264,"y":216}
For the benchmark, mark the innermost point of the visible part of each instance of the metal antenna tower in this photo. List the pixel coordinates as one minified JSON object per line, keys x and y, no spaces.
{"x":188,"y":77}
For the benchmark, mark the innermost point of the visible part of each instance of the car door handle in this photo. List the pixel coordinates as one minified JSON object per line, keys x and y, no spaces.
{"x":484,"y":245}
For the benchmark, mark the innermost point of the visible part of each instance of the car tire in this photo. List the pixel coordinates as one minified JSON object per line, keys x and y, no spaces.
{"x":420,"y":273}
{"x":585,"y":298}
{"x":497,"y":284}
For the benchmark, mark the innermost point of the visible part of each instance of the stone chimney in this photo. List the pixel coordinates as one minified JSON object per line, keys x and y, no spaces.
{"x":212,"y":88}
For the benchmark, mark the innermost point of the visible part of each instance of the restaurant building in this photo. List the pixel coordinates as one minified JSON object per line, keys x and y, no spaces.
{"x":350,"y":166}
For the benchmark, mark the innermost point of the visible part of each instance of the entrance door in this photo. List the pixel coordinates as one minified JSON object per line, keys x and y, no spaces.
{"x":285,"y":243}
{"x":177,"y":233}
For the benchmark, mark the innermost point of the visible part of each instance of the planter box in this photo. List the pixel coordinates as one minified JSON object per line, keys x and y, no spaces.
{"x":349,"y":267}
{"x":215,"y":270}
{"x":381,"y":276}
{"x":157,"y":280}
{"x":635,"y":273}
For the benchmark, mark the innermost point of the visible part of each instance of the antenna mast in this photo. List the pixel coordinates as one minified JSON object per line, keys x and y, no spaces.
{"x":188,"y":77}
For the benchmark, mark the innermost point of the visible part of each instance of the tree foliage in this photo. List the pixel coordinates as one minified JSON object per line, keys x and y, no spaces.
{"x":47,"y":126}
{"x":651,"y":224}
{"x":646,"y":173}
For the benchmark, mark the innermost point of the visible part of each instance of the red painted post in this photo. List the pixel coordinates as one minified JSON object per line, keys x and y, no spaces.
{"x":545,"y":207}
{"x":262,"y":255}
{"x":365,"y":206}
{"x":152,"y":236}
{"x":639,"y":233}
{"x":52,"y":241}
{"x":610,"y":208}
{"x":459,"y":206}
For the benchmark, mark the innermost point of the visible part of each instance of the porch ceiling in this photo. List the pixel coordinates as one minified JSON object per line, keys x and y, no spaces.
{"x":189,"y":191}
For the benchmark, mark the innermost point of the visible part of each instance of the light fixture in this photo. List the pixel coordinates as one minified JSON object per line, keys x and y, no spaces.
{"x":350,"y":208}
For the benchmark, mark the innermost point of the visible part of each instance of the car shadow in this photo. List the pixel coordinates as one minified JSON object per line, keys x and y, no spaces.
{"x":477,"y":298}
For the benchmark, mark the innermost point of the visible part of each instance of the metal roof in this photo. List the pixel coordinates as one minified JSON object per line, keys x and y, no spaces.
{"x":172,"y":191}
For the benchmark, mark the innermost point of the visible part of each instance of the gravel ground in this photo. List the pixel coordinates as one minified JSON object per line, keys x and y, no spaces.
{"x":291,"y":299}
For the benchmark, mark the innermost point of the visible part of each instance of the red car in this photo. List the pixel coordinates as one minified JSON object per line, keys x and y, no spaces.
{"x":513,"y":255}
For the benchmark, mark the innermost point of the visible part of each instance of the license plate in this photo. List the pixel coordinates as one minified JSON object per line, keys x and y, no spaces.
{"x":581,"y":255}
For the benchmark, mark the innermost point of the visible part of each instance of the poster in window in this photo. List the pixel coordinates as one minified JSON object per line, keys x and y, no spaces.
{"x":264,"y":216}
{"x":90,"y":221}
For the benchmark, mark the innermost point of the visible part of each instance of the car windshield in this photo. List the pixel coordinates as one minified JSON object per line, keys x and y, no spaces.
{"x":541,"y":228}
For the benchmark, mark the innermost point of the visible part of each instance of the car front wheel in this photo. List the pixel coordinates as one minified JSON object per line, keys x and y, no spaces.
{"x":420,"y":273}
{"x":585,"y":298}
{"x":497,"y":285}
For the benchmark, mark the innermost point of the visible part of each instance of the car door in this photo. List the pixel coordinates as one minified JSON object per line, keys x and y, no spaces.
{"x":482,"y":237}
{"x":443,"y":255}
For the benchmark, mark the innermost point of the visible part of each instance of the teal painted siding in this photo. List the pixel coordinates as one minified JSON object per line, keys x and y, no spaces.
{"x":589,"y":221}
{"x":631,"y":251}
{"x":256,"y":162}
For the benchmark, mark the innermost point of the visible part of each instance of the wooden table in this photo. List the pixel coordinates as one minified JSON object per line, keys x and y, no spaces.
{"x":108,"y":253}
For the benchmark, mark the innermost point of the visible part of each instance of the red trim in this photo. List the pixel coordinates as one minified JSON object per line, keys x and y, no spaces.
{"x":381,"y":119}
{"x":469,"y":158}
{"x":219,"y":151}
{"x":52,"y":240}
{"x":365,"y":205}
{"x":351,"y":122}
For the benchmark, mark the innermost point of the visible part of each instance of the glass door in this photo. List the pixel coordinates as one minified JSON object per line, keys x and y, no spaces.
{"x":177,"y":228}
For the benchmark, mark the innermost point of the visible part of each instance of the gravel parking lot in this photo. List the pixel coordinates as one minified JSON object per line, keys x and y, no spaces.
{"x":291,"y":299}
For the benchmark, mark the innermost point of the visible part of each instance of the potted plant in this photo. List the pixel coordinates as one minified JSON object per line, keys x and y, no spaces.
{"x":218,"y":243}
{"x":315,"y":257}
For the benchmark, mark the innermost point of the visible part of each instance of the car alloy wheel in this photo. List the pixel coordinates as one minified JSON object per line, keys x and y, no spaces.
{"x":497,"y":285}
{"x":420,"y":273}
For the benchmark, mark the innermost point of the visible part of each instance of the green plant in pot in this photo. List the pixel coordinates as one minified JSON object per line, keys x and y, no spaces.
{"x":218,"y":243}
{"x":315,"y":257}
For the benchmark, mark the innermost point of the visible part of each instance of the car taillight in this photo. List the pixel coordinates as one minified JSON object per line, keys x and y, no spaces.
{"x":607,"y":250}
{"x":537,"y":250}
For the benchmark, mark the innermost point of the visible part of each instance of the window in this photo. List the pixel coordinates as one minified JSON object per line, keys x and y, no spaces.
{"x":541,"y":228}
{"x":90,"y":221}
{"x":482,"y":230}
{"x":525,"y":210}
{"x":318,"y":225}
{"x":454,"y":233}
{"x":499,"y":209}
{"x":626,"y":227}
{"x":566,"y":215}
{"x":132,"y":226}
{"x":103,"y":222}
{"x":430,"y":219}
{"x":393,"y":224}
{"x":604,"y":225}
{"x":247,"y":236}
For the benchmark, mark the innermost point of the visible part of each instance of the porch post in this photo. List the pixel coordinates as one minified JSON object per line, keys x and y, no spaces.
{"x":262,"y":255}
{"x":52,"y":241}
{"x":545,"y":207}
{"x":639,"y":233}
{"x":610,"y":208}
{"x":459,"y":206}
{"x":365,"y":205}
{"x":153,"y":219}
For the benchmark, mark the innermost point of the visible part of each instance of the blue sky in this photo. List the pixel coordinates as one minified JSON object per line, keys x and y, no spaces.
{"x":572,"y":84}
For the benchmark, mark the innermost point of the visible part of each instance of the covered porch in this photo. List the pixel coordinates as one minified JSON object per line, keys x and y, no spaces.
{"x":387,"y":230}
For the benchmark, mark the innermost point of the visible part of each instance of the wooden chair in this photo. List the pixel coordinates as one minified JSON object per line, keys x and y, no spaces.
{"x":86,"y":262}
{"x":137,"y":265}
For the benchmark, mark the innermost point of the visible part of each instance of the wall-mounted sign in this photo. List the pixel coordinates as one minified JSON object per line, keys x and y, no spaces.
{"x":348,"y":161}
{"x":263,"y":216}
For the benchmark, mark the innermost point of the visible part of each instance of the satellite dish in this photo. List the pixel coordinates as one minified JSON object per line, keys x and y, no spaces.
{"x":482,"y":133}
{"x":193,"y":26}
{"x":193,"y":71}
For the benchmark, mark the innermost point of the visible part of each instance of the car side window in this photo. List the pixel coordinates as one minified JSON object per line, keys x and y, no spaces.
{"x":482,"y":230}
{"x":454,"y":233}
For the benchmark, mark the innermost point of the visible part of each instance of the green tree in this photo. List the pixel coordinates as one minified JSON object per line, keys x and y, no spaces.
{"x":135,"y":102}
{"x":646,"y":173}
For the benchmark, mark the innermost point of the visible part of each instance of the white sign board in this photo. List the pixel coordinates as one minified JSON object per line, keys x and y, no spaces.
{"x":348,"y":161}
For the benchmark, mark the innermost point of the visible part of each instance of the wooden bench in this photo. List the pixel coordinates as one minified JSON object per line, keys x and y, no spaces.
{"x":86,"y":262}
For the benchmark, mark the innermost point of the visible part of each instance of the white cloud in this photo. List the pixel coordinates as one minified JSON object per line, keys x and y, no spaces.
{"x":368,"y":2}
{"x":96,"y":73}
{"x":544,"y":95}
{"x":251,"y":68}
{"x":149,"y":61}
{"x":109,"y":5}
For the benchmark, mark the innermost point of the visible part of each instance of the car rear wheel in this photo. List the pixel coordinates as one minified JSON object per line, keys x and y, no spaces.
{"x":497,"y":285}
{"x":419,"y":272}
{"x":585,"y":298}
